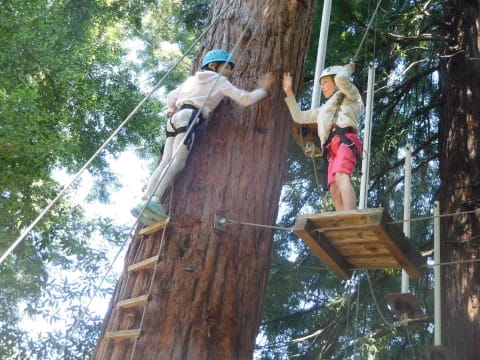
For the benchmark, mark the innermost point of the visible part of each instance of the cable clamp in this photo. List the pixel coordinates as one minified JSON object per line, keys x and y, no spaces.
{"x":221,"y":223}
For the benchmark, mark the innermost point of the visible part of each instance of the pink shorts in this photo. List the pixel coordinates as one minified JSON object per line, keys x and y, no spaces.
{"x":342,"y":158}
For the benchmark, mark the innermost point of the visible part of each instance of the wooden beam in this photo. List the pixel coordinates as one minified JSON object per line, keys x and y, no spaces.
{"x":305,"y":229}
{"x":154,"y":227}
{"x":132,"y":302}
{"x":142,"y":264}
{"x":124,"y":334}
{"x":401,"y":249}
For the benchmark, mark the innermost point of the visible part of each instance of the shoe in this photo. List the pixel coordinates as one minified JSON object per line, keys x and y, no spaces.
{"x":156,"y":211}
{"x":146,"y":218}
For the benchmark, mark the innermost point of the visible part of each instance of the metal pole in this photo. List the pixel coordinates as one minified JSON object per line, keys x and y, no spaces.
{"x":406,"y":208}
{"x":366,"y":137}
{"x":322,"y":49}
{"x":437,"y":291}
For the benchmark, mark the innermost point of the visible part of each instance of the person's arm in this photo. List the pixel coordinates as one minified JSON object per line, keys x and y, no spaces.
{"x":299,"y":116}
{"x":246,"y":98}
{"x":342,"y":80}
{"x":171,"y":101}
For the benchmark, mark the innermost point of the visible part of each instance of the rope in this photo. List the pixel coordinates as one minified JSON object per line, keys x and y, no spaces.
{"x":376,"y":302}
{"x":315,"y":172}
{"x":284,"y":228}
{"x":366,"y":31}
{"x":110,"y":138}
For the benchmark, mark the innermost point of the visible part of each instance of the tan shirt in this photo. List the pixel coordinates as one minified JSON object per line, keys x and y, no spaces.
{"x":348,"y":114}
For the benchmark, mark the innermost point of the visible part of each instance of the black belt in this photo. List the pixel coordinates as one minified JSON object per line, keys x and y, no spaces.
{"x":200,"y":120}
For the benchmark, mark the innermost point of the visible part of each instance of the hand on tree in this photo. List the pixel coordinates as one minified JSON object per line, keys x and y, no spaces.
{"x":266,"y":81}
{"x":287,"y":83}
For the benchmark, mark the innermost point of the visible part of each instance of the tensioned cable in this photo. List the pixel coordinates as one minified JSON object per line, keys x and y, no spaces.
{"x":176,"y":152}
{"x":366,"y":31}
{"x":284,"y":228}
{"x":110,"y":138}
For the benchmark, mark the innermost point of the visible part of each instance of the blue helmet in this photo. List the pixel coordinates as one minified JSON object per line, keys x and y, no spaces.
{"x":217,"y":55}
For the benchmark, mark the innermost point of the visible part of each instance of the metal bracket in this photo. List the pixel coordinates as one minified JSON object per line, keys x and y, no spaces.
{"x":220,"y":223}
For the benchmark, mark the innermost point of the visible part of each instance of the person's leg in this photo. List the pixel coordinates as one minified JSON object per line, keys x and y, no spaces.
{"x":177,"y":165}
{"x":342,"y":170}
{"x":332,"y":186}
{"x":167,"y":155}
{"x":346,"y":191}
{"x":336,"y":197}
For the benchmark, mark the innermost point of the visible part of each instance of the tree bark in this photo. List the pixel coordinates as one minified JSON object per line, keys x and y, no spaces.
{"x":209,"y":287}
{"x":459,"y":135}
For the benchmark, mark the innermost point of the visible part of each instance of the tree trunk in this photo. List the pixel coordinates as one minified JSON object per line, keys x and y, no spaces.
{"x":209,"y":287}
{"x":460,"y":178}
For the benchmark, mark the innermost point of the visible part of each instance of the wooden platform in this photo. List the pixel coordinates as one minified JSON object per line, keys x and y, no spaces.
{"x":359,"y":239}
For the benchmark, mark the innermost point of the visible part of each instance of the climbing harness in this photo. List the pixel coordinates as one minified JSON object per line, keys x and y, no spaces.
{"x":196,"y":119}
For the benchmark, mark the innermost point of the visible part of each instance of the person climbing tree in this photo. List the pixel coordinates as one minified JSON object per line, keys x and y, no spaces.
{"x":200,"y":92}
{"x":337,"y":121}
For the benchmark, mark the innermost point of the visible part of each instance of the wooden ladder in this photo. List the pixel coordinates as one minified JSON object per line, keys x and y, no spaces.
{"x":124,"y":305}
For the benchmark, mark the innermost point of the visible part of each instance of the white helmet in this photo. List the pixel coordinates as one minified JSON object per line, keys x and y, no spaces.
{"x":331,"y":70}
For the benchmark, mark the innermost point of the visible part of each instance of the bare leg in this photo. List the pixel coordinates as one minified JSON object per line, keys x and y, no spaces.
{"x":336,"y":197}
{"x":347,"y":193}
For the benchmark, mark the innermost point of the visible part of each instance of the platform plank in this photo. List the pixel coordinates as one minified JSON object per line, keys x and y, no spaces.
{"x":358,"y":239}
{"x":323,"y":248}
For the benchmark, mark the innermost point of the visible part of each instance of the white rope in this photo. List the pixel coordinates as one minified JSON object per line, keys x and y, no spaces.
{"x":366,"y":31}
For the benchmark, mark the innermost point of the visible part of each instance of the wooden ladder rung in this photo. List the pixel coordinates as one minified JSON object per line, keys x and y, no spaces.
{"x":142,"y":264}
{"x":123,"y":334}
{"x":128,"y":303}
{"x":154,"y":227}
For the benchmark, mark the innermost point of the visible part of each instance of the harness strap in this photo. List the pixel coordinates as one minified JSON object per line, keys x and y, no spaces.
{"x":344,"y":140}
{"x":182,"y":129}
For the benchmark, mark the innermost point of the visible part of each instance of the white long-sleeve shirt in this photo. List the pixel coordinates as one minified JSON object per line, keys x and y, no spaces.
{"x":348,"y":115}
{"x":196,"y":89}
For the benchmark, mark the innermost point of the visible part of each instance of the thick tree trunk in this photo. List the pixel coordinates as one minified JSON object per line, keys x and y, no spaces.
{"x":460,"y":178}
{"x":208,"y":291}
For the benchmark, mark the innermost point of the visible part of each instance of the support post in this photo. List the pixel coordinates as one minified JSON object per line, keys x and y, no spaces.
{"x":437,"y":291}
{"x":366,"y":138}
{"x":322,"y":48}
{"x":407,"y":208}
